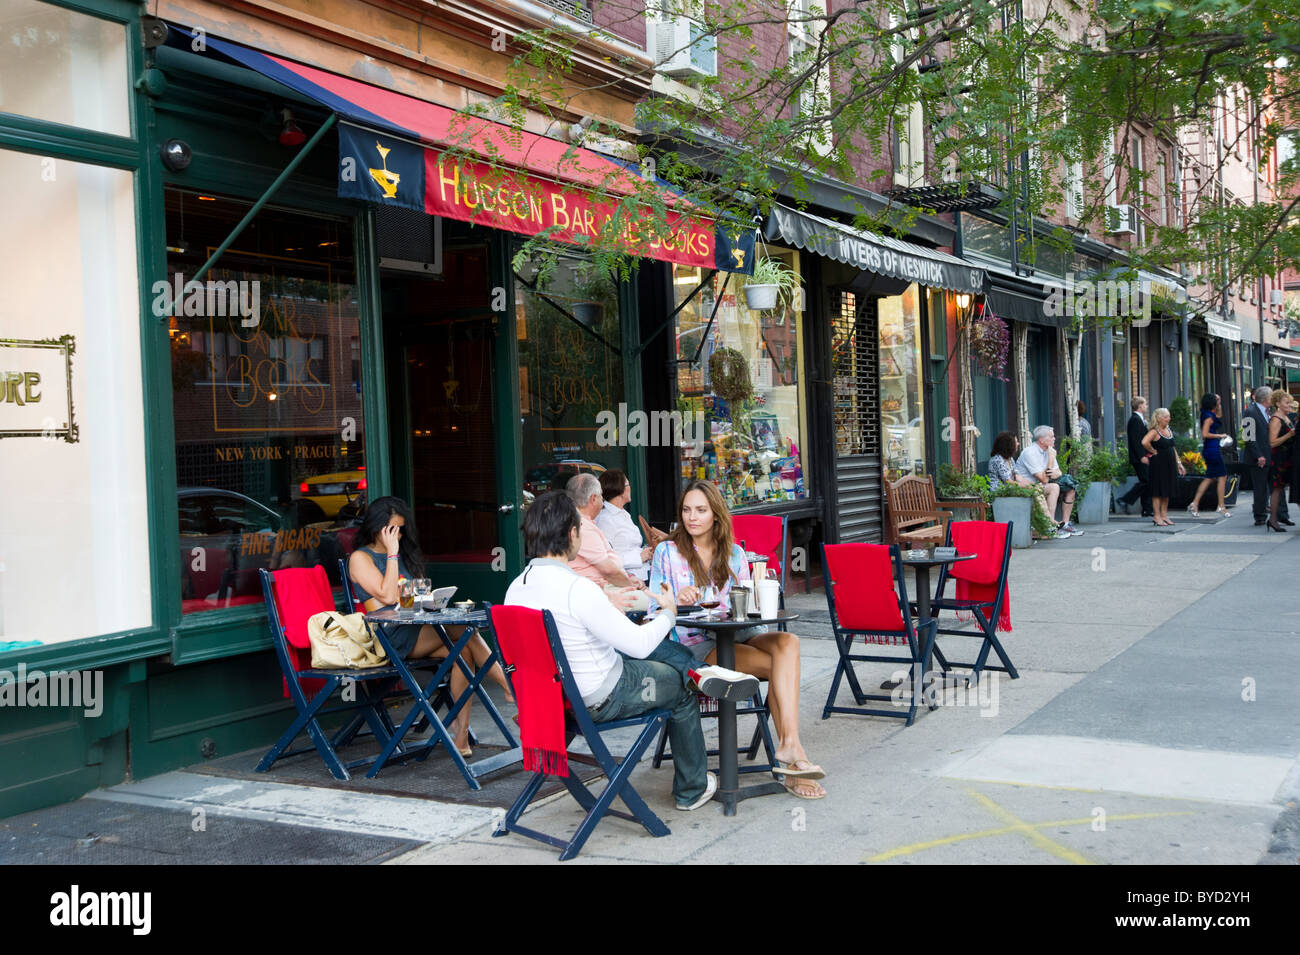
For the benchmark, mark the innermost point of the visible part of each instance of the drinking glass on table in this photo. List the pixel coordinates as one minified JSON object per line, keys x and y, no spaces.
{"x":423,"y":587}
{"x":709,"y":600}
{"x":406,"y":598}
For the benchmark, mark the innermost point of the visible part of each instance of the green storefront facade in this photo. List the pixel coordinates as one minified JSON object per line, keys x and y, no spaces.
{"x":191,"y":676}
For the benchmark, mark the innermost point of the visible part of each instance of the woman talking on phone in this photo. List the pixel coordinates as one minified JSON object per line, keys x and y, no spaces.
{"x":389,"y":552}
{"x":701,"y":553}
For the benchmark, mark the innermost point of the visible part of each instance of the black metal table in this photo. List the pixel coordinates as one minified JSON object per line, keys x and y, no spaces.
{"x":472,"y":620}
{"x":921,"y":566}
{"x":724,"y":630}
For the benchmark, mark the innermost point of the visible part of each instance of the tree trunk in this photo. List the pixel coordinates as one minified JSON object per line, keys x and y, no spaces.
{"x":1019,"y":350}
{"x":966,"y":399}
{"x":1070,"y":360}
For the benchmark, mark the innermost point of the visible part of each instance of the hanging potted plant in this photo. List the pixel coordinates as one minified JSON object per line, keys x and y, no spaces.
{"x":771,"y":282}
{"x":990,"y":344}
{"x":590,"y":287}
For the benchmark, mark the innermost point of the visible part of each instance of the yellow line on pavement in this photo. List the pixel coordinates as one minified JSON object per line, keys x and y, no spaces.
{"x":1037,"y":838}
{"x":1005,"y":830}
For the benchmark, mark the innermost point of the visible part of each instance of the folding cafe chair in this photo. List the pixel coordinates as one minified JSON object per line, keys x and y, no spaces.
{"x":867,"y":597}
{"x":764,"y":534}
{"x":292,"y":595}
{"x":983,"y":593}
{"x":551,"y":713}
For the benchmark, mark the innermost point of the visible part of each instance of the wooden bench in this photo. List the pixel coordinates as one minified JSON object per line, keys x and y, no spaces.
{"x":915,"y":517}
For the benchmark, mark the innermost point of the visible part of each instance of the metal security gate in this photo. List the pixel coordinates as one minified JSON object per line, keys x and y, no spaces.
{"x":855,"y":365}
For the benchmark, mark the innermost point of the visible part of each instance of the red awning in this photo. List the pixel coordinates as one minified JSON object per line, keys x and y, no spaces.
{"x":399,"y":150}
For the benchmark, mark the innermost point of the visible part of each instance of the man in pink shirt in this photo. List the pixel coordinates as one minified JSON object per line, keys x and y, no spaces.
{"x":596,"y":560}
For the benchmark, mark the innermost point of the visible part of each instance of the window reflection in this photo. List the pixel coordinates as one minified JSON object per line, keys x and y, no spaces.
{"x":266,"y":396}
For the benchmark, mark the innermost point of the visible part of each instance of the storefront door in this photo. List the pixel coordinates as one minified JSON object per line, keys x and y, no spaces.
{"x":452,"y":435}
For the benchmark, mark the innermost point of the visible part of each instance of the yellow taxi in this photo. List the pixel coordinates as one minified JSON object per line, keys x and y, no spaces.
{"x":332,"y":491}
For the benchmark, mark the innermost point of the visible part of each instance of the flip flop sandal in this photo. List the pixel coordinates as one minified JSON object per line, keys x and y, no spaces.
{"x":792,"y":770}
{"x":790,"y":784}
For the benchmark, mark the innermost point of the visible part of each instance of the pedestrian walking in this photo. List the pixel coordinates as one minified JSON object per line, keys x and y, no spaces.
{"x":1212,"y":435}
{"x":1137,"y":429}
{"x":1281,"y":439}
{"x":1259,"y":455}
{"x":1163,"y":466}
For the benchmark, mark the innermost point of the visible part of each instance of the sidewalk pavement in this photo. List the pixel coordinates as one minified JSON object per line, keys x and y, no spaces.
{"x":1153,"y":721}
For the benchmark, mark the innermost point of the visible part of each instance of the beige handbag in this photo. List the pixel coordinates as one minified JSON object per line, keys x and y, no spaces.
{"x":343,"y":641}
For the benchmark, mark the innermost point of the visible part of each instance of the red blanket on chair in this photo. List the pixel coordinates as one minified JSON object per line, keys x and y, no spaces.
{"x":978,"y":579}
{"x":521,"y":635}
{"x":299,"y":593}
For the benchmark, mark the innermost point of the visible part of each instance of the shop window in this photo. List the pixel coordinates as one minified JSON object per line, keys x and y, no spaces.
{"x":266,"y":396}
{"x":902,"y":412}
{"x":74,"y":520}
{"x":64,"y":67}
{"x":574,"y":415}
{"x":751,"y":449}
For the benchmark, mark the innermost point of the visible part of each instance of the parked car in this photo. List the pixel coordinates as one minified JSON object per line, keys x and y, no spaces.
{"x":226,"y":537}
{"x":553,"y":475}
{"x":333,"y":491}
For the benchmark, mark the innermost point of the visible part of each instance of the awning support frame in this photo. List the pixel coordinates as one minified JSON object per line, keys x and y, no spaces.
{"x":266,"y":196}
{"x":641,"y":346}
{"x":712,"y":315}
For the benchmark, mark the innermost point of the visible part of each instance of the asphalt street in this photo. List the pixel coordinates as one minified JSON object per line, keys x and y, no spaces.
{"x":1154,"y":721}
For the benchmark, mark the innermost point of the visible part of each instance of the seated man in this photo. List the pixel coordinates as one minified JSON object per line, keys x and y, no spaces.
{"x":597,"y":560}
{"x":1038,"y":463}
{"x":621,"y":669}
{"x":619,"y":528}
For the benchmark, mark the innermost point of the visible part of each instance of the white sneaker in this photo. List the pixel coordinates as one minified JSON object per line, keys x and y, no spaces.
{"x":723,"y":684}
{"x":710,"y":787}
{"x":1062,"y":534}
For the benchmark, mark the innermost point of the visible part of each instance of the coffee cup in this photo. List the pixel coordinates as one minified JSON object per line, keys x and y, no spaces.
{"x":769,"y":598}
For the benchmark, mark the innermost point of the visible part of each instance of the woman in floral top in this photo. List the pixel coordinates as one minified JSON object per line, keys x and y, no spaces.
{"x":1002,"y":462}
{"x":702,"y":552}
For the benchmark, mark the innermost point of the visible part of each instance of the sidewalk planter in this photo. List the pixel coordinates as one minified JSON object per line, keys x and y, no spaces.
{"x":759,"y":297}
{"x":1016,"y":510}
{"x":1186,"y":491}
{"x":962,"y":513}
{"x":1094,"y":508}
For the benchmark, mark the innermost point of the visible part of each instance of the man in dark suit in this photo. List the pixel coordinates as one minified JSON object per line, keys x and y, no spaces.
{"x":1259,"y":454}
{"x":1137,"y":430}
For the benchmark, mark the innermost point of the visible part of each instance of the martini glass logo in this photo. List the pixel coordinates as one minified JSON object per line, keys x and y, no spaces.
{"x":385,"y":178}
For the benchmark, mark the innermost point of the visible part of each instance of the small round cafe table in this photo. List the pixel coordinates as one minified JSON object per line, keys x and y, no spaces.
{"x":723,"y":630}
{"x":921,"y":565}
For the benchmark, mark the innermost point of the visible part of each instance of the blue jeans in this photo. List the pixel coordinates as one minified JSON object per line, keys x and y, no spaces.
{"x":659,"y":682}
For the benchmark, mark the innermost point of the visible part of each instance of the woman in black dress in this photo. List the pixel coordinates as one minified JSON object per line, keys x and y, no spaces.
{"x":1162,"y":462}
{"x":1281,"y":436}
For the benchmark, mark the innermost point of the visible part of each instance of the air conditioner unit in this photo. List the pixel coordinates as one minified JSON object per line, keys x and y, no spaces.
{"x":1121,"y":220}
{"x":682,"y":48}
